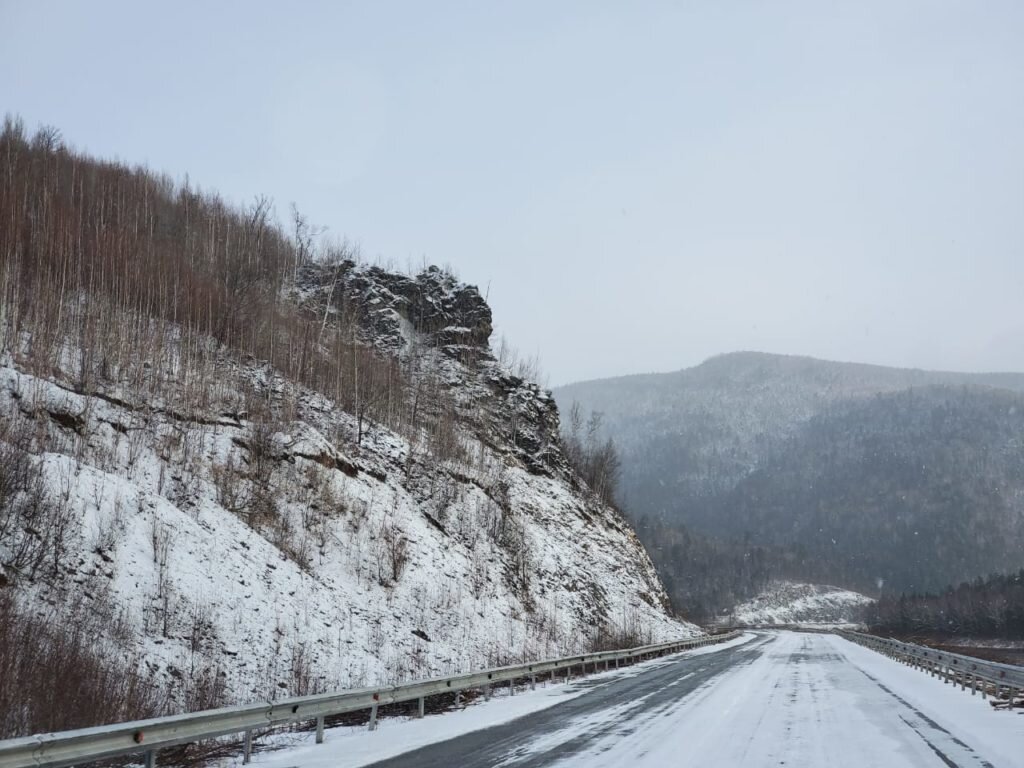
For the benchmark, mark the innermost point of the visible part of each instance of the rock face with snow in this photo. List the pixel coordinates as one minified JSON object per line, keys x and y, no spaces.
{"x":303,"y":550}
{"x":789,"y":603}
{"x":447,"y":313}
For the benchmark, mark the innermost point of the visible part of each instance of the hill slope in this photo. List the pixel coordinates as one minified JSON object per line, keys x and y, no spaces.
{"x":786,"y":602}
{"x":267,"y":474}
{"x":845,"y":473}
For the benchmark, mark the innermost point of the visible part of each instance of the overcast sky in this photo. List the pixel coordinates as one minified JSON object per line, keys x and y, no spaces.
{"x":638,"y":185}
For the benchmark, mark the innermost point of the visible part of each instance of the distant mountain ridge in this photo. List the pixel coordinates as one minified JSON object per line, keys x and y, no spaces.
{"x":793,"y":452}
{"x":717,"y":418}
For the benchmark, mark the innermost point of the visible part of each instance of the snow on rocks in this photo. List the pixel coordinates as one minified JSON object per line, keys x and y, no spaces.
{"x":793,"y":603}
{"x":281,"y":558}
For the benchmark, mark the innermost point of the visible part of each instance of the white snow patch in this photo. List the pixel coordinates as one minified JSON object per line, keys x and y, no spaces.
{"x":793,"y":603}
{"x":306,"y":596}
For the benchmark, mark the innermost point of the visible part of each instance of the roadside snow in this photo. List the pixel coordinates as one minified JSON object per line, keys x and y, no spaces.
{"x":804,"y":700}
{"x":814,"y":700}
{"x":395,"y":736}
{"x":998,"y":735}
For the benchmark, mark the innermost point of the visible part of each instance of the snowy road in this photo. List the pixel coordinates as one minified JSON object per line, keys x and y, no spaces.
{"x":784,"y":698}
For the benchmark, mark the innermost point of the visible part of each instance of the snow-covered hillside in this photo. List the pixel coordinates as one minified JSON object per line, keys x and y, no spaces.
{"x":787,"y":602}
{"x":305,"y":548}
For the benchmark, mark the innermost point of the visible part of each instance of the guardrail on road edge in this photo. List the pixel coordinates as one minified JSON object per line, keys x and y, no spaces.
{"x":147,"y":737}
{"x":952,"y":667}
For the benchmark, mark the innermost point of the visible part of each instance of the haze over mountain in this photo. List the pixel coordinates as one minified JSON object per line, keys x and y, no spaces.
{"x":854,"y":474}
{"x":842,"y":181}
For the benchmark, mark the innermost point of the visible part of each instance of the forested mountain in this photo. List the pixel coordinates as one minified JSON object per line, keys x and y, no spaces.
{"x":911,"y":490}
{"x":236,"y":465}
{"x":863,"y":476}
{"x":986,"y":608}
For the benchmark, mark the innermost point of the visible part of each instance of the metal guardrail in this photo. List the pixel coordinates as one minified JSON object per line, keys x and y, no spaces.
{"x":965,"y":671}
{"x":147,"y":737}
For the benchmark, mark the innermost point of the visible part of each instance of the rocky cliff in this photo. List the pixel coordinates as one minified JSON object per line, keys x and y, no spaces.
{"x":268,"y":543}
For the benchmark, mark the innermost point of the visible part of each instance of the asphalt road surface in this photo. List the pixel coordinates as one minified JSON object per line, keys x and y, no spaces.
{"x":783,"y":699}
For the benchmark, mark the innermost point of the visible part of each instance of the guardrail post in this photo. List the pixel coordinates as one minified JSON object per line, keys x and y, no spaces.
{"x":320,"y":730}
{"x":247,"y":748}
{"x":511,"y":687}
{"x":458,"y":698}
{"x":373,"y":717}
{"x":533,"y":682}
{"x":422,"y":705}
{"x":487,"y":692}
{"x":151,"y":759}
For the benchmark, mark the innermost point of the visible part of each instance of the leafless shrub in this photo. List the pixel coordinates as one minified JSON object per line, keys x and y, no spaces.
{"x":201,"y":629}
{"x":304,"y":680}
{"x":498,"y":509}
{"x":162,"y":540}
{"x":527,"y":368}
{"x":319,"y":505}
{"x":376,"y":636}
{"x":231,"y":487}
{"x":443,"y":492}
{"x":111,"y":524}
{"x":595,"y":460}
{"x":445,"y":444}
{"x":629,"y":632}
{"x":359,"y":510}
{"x":393,"y":553}
{"x":478,"y":574}
{"x":261,"y":452}
{"x":35,"y":524}
{"x":63,"y":677}
{"x":520,"y":566}
{"x":205,"y":687}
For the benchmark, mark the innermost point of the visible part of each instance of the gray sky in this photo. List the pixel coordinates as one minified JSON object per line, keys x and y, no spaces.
{"x":640,"y":185}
